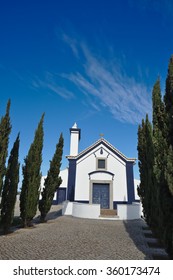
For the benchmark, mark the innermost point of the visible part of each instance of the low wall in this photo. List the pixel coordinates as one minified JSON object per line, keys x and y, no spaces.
{"x":129,"y":212}
{"x":67,"y":208}
{"x":90,"y":211}
{"x":81,"y":210}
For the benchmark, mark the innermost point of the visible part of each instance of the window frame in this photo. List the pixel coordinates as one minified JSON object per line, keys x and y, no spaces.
{"x":97,"y":164}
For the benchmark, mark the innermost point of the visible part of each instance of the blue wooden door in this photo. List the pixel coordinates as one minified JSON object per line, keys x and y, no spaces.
{"x":101,"y":195}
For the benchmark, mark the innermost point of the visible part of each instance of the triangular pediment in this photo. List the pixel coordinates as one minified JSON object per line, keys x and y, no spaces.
{"x":105,"y":144}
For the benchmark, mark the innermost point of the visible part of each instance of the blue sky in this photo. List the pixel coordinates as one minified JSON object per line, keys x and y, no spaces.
{"x":90,"y":62}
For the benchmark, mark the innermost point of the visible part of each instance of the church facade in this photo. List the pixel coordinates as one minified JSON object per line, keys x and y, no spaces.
{"x":99,"y":177}
{"x":100,"y":174}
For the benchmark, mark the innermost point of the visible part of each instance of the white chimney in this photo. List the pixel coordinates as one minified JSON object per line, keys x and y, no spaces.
{"x":74,"y":140}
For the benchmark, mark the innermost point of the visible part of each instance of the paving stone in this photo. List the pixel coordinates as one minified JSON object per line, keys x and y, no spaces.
{"x":66,"y":237}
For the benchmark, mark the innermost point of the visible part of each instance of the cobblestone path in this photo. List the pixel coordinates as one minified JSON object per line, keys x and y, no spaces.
{"x":65,"y":237}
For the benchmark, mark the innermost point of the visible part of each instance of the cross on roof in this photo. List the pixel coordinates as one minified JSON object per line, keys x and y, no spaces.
{"x":101,"y":135}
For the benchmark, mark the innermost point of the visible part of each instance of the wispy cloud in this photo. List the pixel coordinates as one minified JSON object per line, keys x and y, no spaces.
{"x":72,"y":43}
{"x":106,"y":86}
{"x":50,"y":83}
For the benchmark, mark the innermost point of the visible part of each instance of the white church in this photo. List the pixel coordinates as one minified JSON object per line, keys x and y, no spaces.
{"x":98,"y":183}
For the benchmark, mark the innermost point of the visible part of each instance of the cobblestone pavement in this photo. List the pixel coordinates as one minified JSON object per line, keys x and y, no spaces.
{"x":65,"y":237}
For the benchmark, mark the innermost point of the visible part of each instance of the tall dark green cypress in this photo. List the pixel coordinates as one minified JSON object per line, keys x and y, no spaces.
{"x":160,"y":156}
{"x":141,"y":163}
{"x":146,"y":161}
{"x":52,"y":181}
{"x":160,"y":199}
{"x":5,"y":129}
{"x":169,"y":169}
{"x":168,"y":195}
{"x":169,"y":125}
{"x":10,"y":187}
{"x":31,"y":177}
{"x":168,"y":98}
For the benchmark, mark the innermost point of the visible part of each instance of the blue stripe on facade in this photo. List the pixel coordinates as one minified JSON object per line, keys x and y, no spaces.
{"x":108,"y":147}
{"x":101,"y":171}
{"x":130,"y":182}
{"x":76,"y":129}
{"x":82,"y":201}
{"x":61,"y":195}
{"x":71,"y":179}
{"x":118,"y":202}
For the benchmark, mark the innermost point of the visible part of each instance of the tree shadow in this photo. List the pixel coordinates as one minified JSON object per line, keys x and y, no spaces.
{"x":53,"y":215}
{"x":135,"y":230}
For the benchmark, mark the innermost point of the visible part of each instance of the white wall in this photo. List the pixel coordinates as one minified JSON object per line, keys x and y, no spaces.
{"x":129,"y":212}
{"x":81,"y":210}
{"x":74,"y":143}
{"x":88,"y":164}
{"x":67,"y":208}
{"x":64,"y":177}
{"x":92,"y":211}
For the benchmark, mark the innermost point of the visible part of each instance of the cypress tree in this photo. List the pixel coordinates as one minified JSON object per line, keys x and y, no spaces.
{"x":31,"y":177}
{"x":157,"y":197}
{"x":5,"y":129}
{"x":158,"y":109}
{"x":146,"y":160}
{"x":169,"y":170}
{"x":168,"y":98}
{"x":52,"y":181}
{"x":10,"y":188}
{"x":168,"y":195}
{"x":160,"y":154}
{"x":141,"y":163}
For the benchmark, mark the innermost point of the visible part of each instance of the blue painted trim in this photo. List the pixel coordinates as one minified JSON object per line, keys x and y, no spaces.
{"x":76,"y":129}
{"x":54,"y":202}
{"x":118,"y":202}
{"x":61,"y":195}
{"x":82,"y":201}
{"x":108,"y":147}
{"x":130,"y":182}
{"x":101,"y":171}
{"x":71,"y":180}
{"x":137,"y":200}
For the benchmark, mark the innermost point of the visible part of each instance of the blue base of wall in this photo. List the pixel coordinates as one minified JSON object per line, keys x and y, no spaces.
{"x":137,"y":200}
{"x":82,"y":201}
{"x":55,"y":202}
{"x":118,"y":202}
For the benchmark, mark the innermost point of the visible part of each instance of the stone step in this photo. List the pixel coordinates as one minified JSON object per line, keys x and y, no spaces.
{"x":108,"y":212}
{"x":109,"y":218}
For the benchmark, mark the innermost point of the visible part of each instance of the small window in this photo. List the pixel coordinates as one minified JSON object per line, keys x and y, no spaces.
{"x":101,"y":164}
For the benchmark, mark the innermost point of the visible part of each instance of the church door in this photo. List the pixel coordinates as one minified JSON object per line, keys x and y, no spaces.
{"x":101,"y":195}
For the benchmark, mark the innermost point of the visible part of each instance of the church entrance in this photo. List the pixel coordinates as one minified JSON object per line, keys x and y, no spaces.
{"x":101,"y":195}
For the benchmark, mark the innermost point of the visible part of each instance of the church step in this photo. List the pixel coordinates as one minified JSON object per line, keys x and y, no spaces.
{"x":108,"y":212}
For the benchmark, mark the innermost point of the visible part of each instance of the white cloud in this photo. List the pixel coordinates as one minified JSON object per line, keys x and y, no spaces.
{"x":50,"y":83}
{"x":107,"y":87}
{"x":72,"y":43}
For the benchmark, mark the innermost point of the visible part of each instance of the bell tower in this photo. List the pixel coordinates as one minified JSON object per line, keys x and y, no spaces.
{"x":75,"y":133}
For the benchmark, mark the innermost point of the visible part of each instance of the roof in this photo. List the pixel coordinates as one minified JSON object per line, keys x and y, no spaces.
{"x":108,"y":145}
